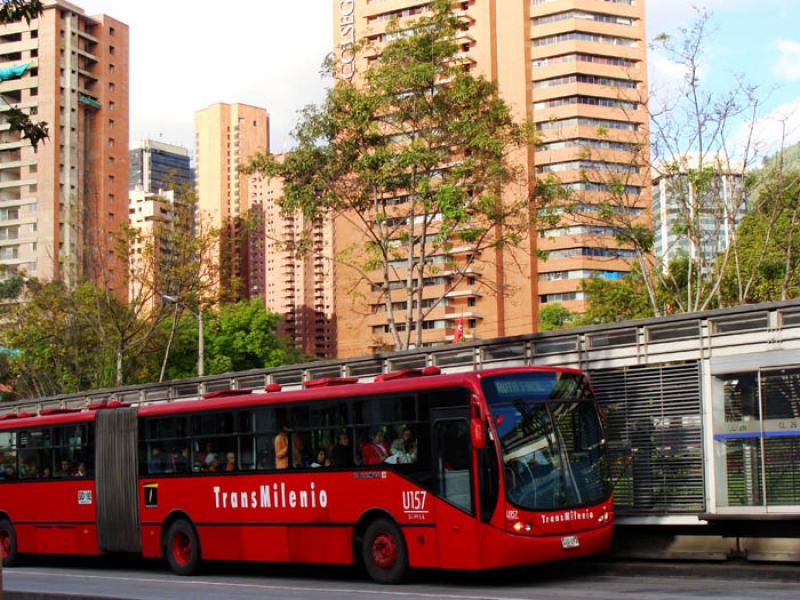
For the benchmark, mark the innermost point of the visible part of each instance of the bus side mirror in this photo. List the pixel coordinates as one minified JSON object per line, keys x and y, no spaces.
{"x":478,"y":433}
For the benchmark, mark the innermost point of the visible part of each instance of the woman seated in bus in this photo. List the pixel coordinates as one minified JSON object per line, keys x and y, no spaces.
{"x":401,"y":443}
{"x":375,"y":451}
{"x":9,"y":472}
{"x":404,"y":453}
{"x":321,"y":460}
{"x":45,"y":474}
{"x":230,"y":462}
{"x":82,"y":470}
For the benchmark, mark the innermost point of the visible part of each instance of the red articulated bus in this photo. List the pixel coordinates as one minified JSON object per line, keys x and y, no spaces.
{"x":473,"y":470}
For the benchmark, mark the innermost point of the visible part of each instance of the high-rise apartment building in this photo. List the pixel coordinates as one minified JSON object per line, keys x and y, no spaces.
{"x":61,"y":205}
{"x":153,"y":216}
{"x":299,"y":274}
{"x":576,"y":68}
{"x":227,"y":136}
{"x":714,"y":213}
{"x":158,"y":166}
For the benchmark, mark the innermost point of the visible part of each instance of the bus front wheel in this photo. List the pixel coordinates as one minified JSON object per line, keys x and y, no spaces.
{"x":383,"y":551}
{"x":8,"y":543}
{"x":182,"y":548}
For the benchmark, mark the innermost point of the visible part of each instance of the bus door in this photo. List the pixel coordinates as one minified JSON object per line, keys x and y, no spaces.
{"x":116,"y":481}
{"x":457,"y":529}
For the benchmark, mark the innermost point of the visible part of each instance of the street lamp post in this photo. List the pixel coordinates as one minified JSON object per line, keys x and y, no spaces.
{"x":201,"y":338}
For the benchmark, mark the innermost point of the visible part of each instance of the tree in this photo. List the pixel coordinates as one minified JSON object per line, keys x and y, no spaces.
{"x":238,"y":337}
{"x":556,"y":316}
{"x":14,"y":11}
{"x":702,"y":147}
{"x":612,"y":301}
{"x":414,"y":158}
{"x":769,"y":241}
{"x":57,"y":350}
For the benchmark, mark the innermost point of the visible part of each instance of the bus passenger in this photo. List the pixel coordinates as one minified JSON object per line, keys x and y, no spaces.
{"x":157,"y":464}
{"x":178,"y":461}
{"x":82,"y":471}
{"x":45,"y":474}
{"x":9,"y":472}
{"x":282,"y":448}
{"x":321,"y":460}
{"x":65,"y":469}
{"x":374,"y":452}
{"x":214,"y":466}
{"x":210,"y":455}
{"x":342,"y":454}
{"x":399,"y":445}
{"x":230,"y":462}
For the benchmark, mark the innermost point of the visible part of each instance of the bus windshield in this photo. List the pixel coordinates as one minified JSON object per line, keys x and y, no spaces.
{"x":551,"y":437}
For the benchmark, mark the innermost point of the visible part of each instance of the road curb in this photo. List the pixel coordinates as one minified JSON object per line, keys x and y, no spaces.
{"x":737,"y":570}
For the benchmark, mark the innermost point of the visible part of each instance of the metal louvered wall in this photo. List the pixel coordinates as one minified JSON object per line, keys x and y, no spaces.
{"x":655,"y":437}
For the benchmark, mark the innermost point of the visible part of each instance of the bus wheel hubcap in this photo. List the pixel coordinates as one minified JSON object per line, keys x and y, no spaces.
{"x":182,"y":548}
{"x":5,"y":544}
{"x":384,"y":551}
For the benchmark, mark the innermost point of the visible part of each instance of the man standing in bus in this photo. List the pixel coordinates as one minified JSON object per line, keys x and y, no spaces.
{"x":342,"y":454}
{"x":282,"y":449}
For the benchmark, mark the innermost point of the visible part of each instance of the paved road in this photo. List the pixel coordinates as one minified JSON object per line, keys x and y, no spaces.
{"x":149,"y":580}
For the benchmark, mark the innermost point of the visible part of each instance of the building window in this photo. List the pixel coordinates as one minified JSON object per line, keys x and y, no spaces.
{"x":111,"y":123}
{"x":111,"y":50}
{"x":111,"y":86}
{"x":111,"y":31}
{"x":472,"y":301}
{"x":111,"y":68}
{"x":111,"y":106}
{"x":472,"y":323}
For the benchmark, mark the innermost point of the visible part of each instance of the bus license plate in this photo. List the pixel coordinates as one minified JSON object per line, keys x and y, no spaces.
{"x":570,"y":541}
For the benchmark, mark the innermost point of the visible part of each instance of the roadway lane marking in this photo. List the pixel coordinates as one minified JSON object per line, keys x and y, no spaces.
{"x":277,"y":588}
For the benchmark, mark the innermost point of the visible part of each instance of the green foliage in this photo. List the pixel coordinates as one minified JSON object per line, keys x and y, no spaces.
{"x":34,"y":132}
{"x":11,"y":288}
{"x":556,"y":316}
{"x":59,"y":350}
{"x":65,"y":342}
{"x":238,"y":337}
{"x":768,"y":241}
{"x":12,"y":11}
{"x":612,"y":301}
{"x":244,"y":336}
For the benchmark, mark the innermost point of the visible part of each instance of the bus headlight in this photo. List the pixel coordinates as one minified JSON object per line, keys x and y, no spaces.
{"x":602,"y":518}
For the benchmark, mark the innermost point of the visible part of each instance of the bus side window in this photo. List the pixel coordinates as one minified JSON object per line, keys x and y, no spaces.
{"x":214,"y":441}
{"x":8,"y":455}
{"x":35,"y":455}
{"x":72,"y":447}
{"x":265,"y":427}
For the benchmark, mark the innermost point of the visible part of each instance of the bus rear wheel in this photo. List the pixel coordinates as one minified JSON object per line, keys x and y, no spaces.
{"x":383,"y":551}
{"x":8,"y":543}
{"x":182,"y":548}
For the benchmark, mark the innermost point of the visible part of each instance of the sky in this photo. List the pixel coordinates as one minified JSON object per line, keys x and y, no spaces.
{"x":187,"y":54}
